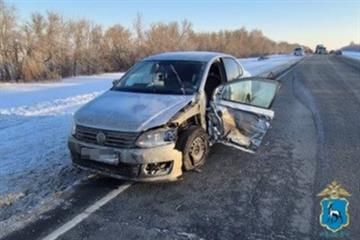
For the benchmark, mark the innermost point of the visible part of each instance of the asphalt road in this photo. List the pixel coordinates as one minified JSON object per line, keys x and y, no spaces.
{"x":314,"y":139}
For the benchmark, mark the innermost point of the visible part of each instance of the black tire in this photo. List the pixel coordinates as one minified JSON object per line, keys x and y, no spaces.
{"x":194,"y":144}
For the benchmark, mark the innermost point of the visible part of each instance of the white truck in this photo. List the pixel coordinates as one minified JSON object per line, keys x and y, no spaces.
{"x":320,"y":49}
{"x":299,"y":51}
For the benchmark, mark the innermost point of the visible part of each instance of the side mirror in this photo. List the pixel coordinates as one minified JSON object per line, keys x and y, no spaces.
{"x":116,"y":82}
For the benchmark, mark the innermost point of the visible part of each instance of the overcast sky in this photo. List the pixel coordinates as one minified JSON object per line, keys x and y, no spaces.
{"x":332,"y":22}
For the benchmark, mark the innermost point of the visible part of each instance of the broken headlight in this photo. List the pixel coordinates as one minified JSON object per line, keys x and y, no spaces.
{"x":156,"y":138}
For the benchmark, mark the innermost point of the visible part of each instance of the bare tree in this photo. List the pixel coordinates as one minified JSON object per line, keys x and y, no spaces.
{"x":50,"y":47}
{"x":9,"y":42}
{"x":118,"y":48}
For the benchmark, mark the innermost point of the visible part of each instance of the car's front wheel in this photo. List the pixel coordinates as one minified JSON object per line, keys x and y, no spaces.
{"x":194,"y":144}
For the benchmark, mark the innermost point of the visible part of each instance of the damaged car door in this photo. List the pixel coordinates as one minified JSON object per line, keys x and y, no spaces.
{"x":240,"y":112}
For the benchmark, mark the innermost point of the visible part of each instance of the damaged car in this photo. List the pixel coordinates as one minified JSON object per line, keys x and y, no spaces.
{"x":163,"y":115}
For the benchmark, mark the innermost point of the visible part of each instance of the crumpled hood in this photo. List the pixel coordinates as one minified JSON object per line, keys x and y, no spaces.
{"x":130,"y":112}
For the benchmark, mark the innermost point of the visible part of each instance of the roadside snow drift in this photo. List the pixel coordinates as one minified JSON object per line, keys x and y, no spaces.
{"x":351,"y":54}
{"x":262,"y":67}
{"x":35,"y":120}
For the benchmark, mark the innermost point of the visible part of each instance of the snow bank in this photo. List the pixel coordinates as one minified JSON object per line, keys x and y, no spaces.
{"x":52,"y":107}
{"x":351,"y":54}
{"x":259,"y":67}
{"x":35,"y":120}
{"x":25,"y":94}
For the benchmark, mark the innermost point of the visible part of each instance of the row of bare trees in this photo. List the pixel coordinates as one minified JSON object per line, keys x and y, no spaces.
{"x":50,"y":47}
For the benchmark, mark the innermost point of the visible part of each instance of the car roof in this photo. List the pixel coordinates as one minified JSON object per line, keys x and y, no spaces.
{"x":186,"y":56}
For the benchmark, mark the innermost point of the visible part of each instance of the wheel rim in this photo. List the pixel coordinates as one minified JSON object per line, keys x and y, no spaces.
{"x":197,"y":150}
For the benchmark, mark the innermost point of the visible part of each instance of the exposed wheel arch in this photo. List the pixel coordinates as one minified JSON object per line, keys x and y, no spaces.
{"x":193,"y":142}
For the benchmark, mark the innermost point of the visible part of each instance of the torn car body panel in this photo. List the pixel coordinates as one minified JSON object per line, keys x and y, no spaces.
{"x":241,"y":125}
{"x":196,"y":109}
{"x":240,"y":129}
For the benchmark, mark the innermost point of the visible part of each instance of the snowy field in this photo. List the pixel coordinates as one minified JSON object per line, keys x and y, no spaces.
{"x":35,"y":120}
{"x":351,"y":54}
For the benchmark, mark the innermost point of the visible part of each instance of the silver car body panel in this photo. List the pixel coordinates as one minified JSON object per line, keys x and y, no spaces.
{"x":130,"y":112}
{"x":137,"y":156}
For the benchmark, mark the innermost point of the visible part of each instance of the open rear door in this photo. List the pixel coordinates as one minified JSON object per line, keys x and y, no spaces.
{"x":241,"y":112}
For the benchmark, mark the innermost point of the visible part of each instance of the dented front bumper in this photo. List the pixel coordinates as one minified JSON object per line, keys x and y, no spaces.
{"x":162,"y":163}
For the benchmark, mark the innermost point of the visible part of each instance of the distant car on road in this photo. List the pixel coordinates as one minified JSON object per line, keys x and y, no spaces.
{"x":263,"y":57}
{"x":162,"y":116}
{"x":338,"y":52}
{"x":320,"y":49}
{"x":299,"y":51}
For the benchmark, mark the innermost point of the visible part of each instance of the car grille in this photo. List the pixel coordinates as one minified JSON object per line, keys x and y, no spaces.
{"x":112,"y":138}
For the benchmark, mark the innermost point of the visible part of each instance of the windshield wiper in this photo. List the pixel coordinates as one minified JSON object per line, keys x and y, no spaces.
{"x":179,"y":79}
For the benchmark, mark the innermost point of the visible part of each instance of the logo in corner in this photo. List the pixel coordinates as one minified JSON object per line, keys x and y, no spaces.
{"x":334,"y":207}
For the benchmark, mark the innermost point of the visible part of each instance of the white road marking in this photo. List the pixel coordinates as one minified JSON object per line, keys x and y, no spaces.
{"x":284,"y":73}
{"x":290,"y":69}
{"x":86,"y":213}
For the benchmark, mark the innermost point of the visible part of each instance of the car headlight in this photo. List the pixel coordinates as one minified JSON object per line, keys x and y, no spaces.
{"x":156,"y":137}
{"x":73,"y":128}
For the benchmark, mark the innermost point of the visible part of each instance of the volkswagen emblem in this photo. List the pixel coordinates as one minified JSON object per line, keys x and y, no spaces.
{"x":100,"y":138}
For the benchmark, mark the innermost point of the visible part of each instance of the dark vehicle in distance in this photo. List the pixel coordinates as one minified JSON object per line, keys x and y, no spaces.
{"x":299,"y":51}
{"x":320,"y":49}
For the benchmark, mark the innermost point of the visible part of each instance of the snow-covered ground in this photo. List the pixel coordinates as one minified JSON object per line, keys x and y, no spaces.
{"x":35,"y":119}
{"x":352,"y":54}
{"x":259,"y":67}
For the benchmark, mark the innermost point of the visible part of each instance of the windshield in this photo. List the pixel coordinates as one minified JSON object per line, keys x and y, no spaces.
{"x":173,"y":77}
